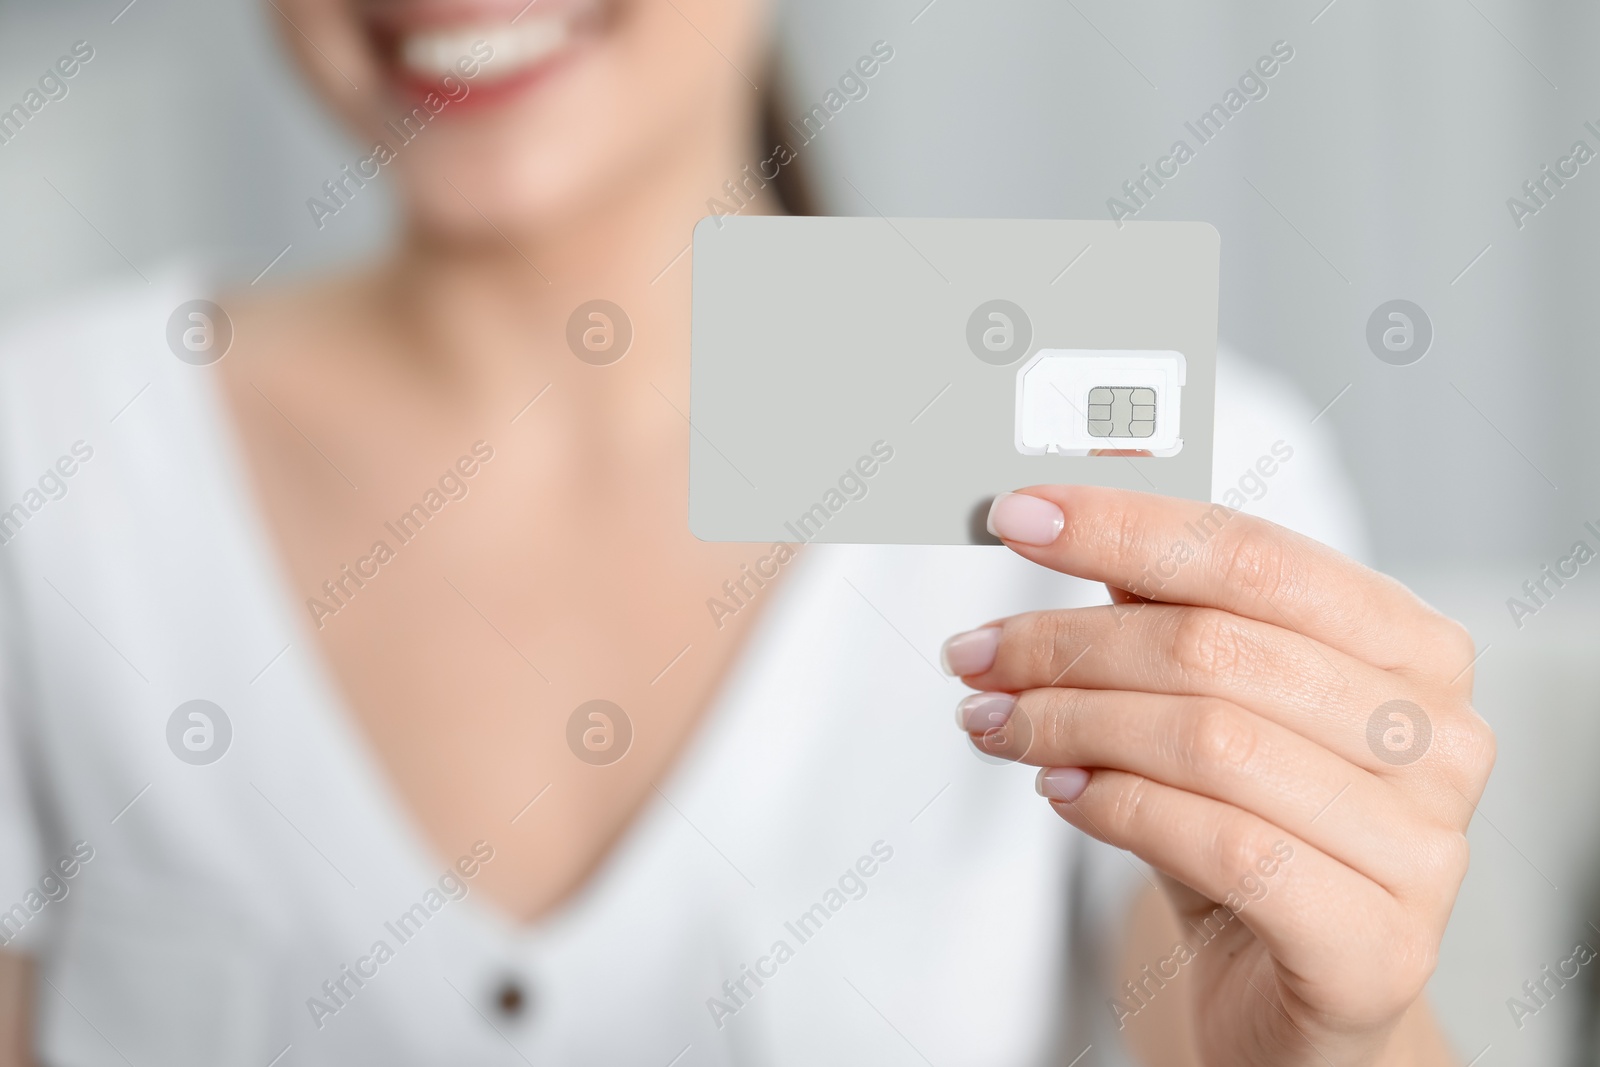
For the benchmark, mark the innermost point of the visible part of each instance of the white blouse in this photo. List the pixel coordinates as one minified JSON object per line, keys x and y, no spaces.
{"x":831,"y":874}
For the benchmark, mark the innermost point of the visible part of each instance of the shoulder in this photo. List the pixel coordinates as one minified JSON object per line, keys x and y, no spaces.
{"x":96,"y":406}
{"x":56,"y":342}
{"x":1276,"y":456}
{"x":68,"y":369}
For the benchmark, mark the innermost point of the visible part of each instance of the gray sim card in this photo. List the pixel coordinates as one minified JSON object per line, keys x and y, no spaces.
{"x":871,"y":380}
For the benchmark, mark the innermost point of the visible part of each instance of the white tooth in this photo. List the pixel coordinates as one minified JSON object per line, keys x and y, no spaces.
{"x":513,"y":48}
{"x":503,"y":42}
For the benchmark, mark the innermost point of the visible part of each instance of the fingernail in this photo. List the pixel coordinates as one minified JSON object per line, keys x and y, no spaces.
{"x":982,"y":712}
{"x":1025,"y":519}
{"x":971,"y":652}
{"x":1062,"y":783}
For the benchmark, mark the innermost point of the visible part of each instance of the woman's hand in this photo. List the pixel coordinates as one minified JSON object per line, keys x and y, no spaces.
{"x":1284,"y":734}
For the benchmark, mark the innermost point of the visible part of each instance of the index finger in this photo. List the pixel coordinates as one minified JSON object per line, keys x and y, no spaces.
{"x":1206,"y":555}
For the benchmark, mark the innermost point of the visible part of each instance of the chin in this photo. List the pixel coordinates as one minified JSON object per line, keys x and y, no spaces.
{"x":515,"y":115}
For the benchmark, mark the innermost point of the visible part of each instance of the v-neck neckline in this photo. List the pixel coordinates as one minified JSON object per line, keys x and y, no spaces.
{"x":333,"y":712}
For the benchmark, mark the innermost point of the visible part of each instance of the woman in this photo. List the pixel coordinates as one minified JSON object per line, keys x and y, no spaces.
{"x":396,"y":829}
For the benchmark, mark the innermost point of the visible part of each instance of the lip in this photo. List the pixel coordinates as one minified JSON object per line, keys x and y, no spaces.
{"x":407,"y":15}
{"x":413,"y":90}
{"x":390,"y":23}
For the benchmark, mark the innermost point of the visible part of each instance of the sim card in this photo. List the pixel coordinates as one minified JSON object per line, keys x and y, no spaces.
{"x":878,"y":380}
{"x":1074,"y":402}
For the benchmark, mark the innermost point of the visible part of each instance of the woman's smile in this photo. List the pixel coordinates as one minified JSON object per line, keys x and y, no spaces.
{"x":499,"y":50}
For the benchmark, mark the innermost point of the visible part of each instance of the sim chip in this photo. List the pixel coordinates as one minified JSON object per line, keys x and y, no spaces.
{"x":1065,"y":405}
{"x":1121,"y":412}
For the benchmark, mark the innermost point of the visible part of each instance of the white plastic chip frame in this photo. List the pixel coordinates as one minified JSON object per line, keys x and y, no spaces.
{"x":1076,"y":401}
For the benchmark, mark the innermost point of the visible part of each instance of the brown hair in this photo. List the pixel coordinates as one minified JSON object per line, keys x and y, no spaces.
{"x":790,"y":187}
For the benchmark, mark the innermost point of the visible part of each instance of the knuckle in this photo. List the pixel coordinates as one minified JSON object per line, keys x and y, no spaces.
{"x":1482,"y":748}
{"x":1127,"y":807}
{"x":1059,"y":718}
{"x":1468,"y":745}
{"x":1055,"y":640}
{"x":1436,"y":864}
{"x":1125,"y":532}
{"x":1254,"y":559}
{"x":1239,"y":846}
{"x":1217,"y":736}
{"x":1456,"y":645}
{"x":1206,"y":643}
{"x":1028,"y":641}
{"x":1488,"y":748}
{"x":1405,"y":951}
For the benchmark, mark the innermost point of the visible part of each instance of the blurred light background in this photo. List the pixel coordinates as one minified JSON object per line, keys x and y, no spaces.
{"x":1377,"y":167}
